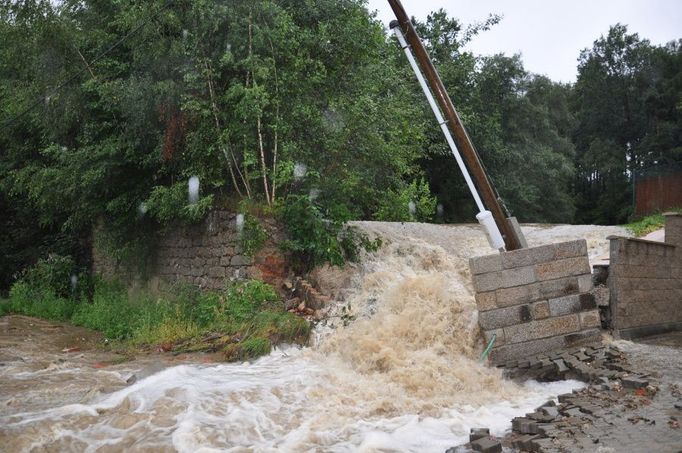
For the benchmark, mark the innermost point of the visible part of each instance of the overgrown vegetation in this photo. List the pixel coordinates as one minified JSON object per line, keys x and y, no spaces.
{"x":253,"y":235}
{"x":648,"y":224}
{"x":243,"y":321}
{"x":318,"y":235}
{"x":412,"y":203}
{"x":243,"y":95}
{"x":170,"y":204}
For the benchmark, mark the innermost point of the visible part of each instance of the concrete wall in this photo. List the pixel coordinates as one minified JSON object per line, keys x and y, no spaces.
{"x":206,"y":255}
{"x":645,"y":283}
{"x":536,"y":299}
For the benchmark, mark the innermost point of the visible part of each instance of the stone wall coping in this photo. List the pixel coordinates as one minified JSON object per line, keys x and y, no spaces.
{"x":530,"y":256}
{"x":643,"y":241}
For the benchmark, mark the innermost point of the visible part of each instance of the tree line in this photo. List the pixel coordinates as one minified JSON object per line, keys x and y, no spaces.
{"x":108,"y":109}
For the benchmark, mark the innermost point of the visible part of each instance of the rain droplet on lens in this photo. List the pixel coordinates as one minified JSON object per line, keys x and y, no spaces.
{"x":300,"y":171}
{"x":193,"y":189}
{"x":412,"y":207}
{"x":439,"y":210}
{"x":239,"y":223}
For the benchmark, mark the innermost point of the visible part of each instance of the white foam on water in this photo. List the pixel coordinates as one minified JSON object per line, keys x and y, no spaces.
{"x":394,"y":368}
{"x":282,"y":402}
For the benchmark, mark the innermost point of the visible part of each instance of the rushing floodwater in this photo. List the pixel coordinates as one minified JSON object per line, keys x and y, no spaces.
{"x":394,"y":369}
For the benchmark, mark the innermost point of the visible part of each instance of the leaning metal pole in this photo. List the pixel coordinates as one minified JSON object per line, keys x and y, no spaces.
{"x":456,"y":127}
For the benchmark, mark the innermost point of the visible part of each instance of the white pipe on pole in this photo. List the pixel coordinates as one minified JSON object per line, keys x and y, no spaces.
{"x":439,"y":117}
{"x":484,"y":217}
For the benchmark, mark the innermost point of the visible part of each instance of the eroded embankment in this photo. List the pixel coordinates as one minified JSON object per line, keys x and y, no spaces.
{"x":396,"y":367}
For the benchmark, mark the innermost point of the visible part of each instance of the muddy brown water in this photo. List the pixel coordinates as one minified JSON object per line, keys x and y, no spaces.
{"x":395,"y":369}
{"x":46,"y":363}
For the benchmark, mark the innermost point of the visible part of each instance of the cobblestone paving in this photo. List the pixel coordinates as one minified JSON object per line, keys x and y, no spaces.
{"x":633,"y":402}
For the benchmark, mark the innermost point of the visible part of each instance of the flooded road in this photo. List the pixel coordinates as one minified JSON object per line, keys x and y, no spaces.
{"x":399,"y":371}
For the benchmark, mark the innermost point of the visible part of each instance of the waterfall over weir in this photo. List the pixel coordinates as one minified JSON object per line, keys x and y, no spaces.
{"x":394,"y":368}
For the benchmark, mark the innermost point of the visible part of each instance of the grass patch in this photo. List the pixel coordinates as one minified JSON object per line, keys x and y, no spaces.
{"x":38,"y":301}
{"x":243,"y":321}
{"x":646,"y":225}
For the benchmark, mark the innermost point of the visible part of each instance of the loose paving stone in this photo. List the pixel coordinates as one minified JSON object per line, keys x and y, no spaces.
{"x":589,"y":409}
{"x":526,"y":426}
{"x":541,"y":445}
{"x":523,"y":442}
{"x":477,"y":433}
{"x":487,"y":445}
{"x":573,"y":412}
{"x":634,"y":382}
{"x":548,"y":430}
{"x":560,"y":366}
{"x":581,"y":356}
{"x":565,"y":397}
{"x":541,"y":417}
{"x":550,"y":411}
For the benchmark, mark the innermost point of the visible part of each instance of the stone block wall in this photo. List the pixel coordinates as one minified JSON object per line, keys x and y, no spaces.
{"x":645,"y":283}
{"x":535,"y":299}
{"x":207,"y":255}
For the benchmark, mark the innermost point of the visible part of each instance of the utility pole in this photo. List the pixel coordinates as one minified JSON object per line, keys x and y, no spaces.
{"x":456,"y":127}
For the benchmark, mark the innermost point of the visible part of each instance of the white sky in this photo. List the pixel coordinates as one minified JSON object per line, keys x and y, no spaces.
{"x":550,"y":34}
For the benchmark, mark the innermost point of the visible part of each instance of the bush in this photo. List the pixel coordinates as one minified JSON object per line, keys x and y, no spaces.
{"x":51,"y":289}
{"x":57,"y":274}
{"x":319,"y":236}
{"x":253,"y":236}
{"x":169,"y":204}
{"x":395,"y":207}
{"x":110,"y":311}
{"x":39,"y":302}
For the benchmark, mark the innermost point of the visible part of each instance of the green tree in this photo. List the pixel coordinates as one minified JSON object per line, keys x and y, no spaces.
{"x":613,"y":80}
{"x":512,"y":117}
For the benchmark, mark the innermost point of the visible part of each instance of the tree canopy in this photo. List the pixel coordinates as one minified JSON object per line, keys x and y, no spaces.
{"x":109,"y":108}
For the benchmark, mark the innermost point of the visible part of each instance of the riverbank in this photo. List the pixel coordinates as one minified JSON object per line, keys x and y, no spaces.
{"x":243,"y":321}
